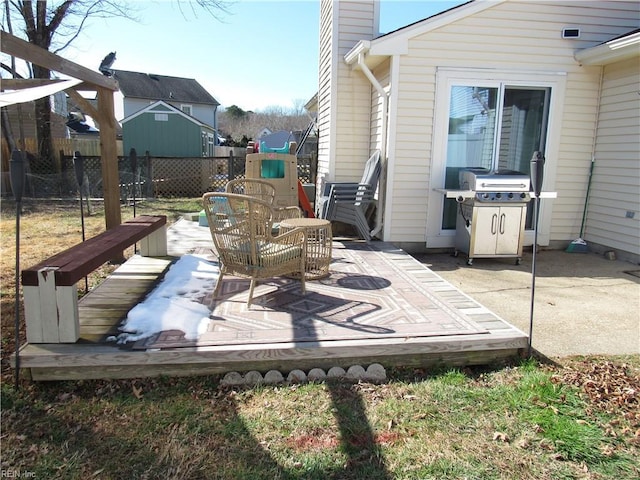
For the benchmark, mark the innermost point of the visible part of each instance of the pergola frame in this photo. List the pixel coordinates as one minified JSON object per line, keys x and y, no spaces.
{"x":104,"y":114}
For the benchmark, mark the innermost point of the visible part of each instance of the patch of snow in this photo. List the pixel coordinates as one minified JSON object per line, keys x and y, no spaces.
{"x":175,"y":304}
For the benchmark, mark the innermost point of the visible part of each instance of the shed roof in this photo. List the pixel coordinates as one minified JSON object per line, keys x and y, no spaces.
{"x":162,"y":87}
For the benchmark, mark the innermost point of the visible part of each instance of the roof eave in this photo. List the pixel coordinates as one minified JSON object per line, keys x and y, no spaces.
{"x":439,"y":20}
{"x":615,"y":50}
{"x":397,"y":42}
{"x":370,"y":56}
{"x":362,"y":47}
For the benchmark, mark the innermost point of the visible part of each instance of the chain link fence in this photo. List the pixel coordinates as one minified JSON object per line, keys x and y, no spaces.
{"x":149,"y":177}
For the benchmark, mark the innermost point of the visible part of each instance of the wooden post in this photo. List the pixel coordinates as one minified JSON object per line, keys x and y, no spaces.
{"x":51,"y":312}
{"x":230,"y":170}
{"x":109,"y":154}
{"x":154,"y":245}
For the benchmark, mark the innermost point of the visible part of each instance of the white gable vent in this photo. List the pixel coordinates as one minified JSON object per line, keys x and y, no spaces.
{"x":571,"y":32}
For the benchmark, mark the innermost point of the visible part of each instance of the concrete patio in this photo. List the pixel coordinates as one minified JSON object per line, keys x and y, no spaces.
{"x":584,"y":303}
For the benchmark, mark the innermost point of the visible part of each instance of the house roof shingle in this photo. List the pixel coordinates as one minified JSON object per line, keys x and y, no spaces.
{"x":162,"y":87}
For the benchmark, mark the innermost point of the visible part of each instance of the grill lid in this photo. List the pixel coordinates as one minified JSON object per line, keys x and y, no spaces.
{"x":485,"y":180}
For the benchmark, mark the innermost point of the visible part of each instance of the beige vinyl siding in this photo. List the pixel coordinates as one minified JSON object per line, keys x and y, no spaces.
{"x":353,"y":103}
{"x":616,"y":180}
{"x":510,"y":36}
{"x":344,"y":98}
{"x":325,"y":72}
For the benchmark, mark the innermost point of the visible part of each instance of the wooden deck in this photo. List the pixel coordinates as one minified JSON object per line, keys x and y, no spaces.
{"x":488,"y":339}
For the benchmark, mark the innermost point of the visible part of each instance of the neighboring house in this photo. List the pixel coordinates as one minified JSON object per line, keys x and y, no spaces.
{"x":487,"y":83}
{"x":21,"y":117}
{"x":262,"y":133}
{"x":165,"y":131}
{"x":139,"y":90}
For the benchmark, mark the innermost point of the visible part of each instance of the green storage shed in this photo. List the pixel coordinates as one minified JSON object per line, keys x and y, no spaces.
{"x":165,"y":131}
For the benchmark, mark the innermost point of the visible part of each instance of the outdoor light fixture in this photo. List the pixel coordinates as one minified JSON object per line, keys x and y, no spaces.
{"x":78,"y":166}
{"x":17,"y":177}
{"x":133,"y":158}
{"x":537,"y":177}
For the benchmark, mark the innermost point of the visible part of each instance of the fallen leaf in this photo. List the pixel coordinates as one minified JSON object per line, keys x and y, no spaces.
{"x":137,"y":391}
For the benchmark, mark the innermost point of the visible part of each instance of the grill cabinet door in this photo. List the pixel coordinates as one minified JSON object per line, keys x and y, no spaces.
{"x":510,"y":225}
{"x":485,"y":230}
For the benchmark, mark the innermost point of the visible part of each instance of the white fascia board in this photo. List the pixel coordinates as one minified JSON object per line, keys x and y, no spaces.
{"x":397,"y":42}
{"x":351,"y":56}
{"x":610,"y":52}
{"x":391,"y":46}
{"x":437,"y":21}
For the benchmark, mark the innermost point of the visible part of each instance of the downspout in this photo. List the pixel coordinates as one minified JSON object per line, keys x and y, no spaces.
{"x":383,"y":141}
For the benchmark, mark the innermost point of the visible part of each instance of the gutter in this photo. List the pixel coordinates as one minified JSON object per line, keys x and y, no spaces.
{"x":614,"y":50}
{"x":356,"y":55}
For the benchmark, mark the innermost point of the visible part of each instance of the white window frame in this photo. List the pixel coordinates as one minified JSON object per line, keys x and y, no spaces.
{"x":448,"y":77}
{"x":186,"y":108}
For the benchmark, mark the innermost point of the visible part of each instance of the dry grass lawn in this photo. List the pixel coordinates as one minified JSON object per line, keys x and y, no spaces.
{"x":579,"y":420}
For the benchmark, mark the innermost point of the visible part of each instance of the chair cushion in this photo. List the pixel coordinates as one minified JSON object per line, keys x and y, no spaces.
{"x":270,"y":254}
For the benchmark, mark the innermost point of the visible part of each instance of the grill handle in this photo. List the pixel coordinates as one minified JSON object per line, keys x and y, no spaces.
{"x":510,"y":186}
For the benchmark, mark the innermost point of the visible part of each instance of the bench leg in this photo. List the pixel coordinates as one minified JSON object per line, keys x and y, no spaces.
{"x":51,"y":312}
{"x":155,"y":245}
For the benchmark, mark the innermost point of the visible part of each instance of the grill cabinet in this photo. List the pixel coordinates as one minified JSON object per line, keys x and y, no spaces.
{"x":490,"y":223}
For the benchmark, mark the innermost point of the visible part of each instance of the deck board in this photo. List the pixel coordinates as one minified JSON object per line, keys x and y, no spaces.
{"x":102,"y":311}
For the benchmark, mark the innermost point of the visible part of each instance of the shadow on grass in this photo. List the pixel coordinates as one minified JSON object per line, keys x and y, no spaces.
{"x":163,"y":428}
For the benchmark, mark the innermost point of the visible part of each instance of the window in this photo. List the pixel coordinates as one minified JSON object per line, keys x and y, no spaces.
{"x":161,"y":117}
{"x":186,"y":109}
{"x":272,"y":168}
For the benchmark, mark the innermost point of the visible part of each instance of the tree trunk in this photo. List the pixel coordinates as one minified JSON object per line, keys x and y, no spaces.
{"x":46,"y":160}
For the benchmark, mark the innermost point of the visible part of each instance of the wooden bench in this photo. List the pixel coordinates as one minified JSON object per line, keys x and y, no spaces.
{"x":50,"y":290}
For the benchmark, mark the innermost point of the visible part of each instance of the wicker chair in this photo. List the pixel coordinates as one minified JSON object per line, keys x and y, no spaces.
{"x":241,"y":228}
{"x":263,"y":190}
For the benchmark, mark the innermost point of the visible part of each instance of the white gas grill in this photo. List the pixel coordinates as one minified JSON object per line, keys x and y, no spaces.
{"x":492,"y":211}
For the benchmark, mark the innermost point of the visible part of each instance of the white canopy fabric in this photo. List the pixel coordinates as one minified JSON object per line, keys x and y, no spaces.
{"x":34,"y":93}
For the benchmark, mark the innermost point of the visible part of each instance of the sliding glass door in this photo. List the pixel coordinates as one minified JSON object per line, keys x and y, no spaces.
{"x":495,"y":126}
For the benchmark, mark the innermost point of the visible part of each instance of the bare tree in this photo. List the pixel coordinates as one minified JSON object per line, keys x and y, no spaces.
{"x":54,"y":24}
{"x":236,"y":123}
